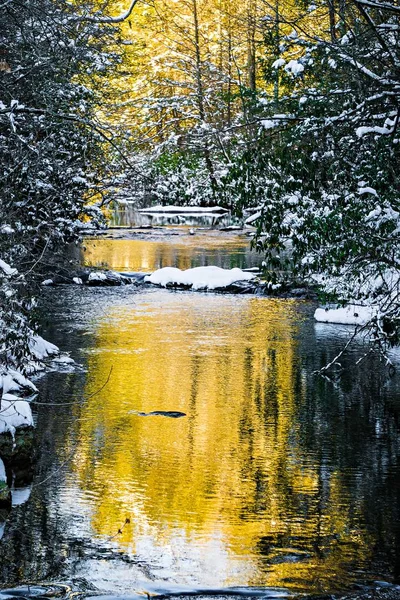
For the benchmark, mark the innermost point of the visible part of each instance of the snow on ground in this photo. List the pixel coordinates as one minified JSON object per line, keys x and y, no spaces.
{"x":183,"y":209}
{"x":199,"y":278}
{"x":347,"y":315}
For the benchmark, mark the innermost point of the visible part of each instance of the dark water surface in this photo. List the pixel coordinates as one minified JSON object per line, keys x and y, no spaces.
{"x":273,"y":477}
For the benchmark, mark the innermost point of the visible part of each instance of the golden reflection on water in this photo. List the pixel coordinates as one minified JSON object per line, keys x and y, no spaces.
{"x":225,"y":495}
{"x":187,"y":251}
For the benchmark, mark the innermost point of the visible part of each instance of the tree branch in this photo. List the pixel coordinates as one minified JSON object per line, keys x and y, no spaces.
{"x":111,"y":20}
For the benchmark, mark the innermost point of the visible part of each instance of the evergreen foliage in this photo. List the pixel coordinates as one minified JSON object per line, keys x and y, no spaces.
{"x":332,"y":209}
{"x":53,"y":151}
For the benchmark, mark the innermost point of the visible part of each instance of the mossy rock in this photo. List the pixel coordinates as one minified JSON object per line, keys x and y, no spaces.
{"x":5,"y":495}
{"x":20,"y":450}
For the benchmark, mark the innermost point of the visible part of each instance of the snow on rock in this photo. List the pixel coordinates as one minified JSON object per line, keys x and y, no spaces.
{"x":14,"y":414}
{"x":64,"y":359}
{"x":347,"y":315}
{"x":41,"y":349}
{"x":199,"y":278}
{"x":47,"y":282}
{"x":96,"y":276}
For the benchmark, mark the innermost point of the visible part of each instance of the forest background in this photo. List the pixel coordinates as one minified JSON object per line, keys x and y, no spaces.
{"x":289,"y":109}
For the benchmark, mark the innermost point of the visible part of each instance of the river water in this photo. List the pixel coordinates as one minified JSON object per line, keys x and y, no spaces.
{"x":274,"y":478}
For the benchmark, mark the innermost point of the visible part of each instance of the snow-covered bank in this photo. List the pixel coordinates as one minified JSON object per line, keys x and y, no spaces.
{"x":199,"y":278}
{"x":12,"y":380}
{"x":352,"y":314}
{"x":15,"y":410}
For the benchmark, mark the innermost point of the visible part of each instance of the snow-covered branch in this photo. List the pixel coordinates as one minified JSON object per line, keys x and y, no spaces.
{"x":111,"y":20}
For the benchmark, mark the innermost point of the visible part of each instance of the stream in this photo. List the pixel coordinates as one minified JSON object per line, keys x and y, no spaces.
{"x":267,"y":481}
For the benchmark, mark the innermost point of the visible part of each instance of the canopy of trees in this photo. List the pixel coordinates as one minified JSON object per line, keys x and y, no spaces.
{"x":289,"y":108}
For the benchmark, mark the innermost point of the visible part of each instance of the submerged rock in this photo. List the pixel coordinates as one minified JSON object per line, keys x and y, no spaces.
{"x":174,"y":414}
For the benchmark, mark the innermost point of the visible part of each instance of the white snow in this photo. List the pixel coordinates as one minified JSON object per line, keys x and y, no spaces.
{"x":294,"y":67}
{"x":367,"y":190}
{"x":47,"y":282}
{"x":20,"y":495}
{"x":94,"y":276}
{"x":7,"y":230}
{"x":278,"y":63}
{"x":253,"y":218}
{"x":352,"y":314}
{"x":7,"y":269}
{"x":269,"y":124}
{"x":3,"y":476}
{"x":199,"y":278}
{"x":12,"y":380}
{"x":77,"y":280}
{"x":41,"y":349}
{"x":63,"y":359}
{"x":10,"y":397}
{"x":14,"y":414}
{"x":361,"y":131}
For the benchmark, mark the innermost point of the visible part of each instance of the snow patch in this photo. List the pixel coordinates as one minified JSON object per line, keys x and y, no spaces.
{"x":63,"y":359}
{"x":94,"y":276}
{"x":347,"y":315}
